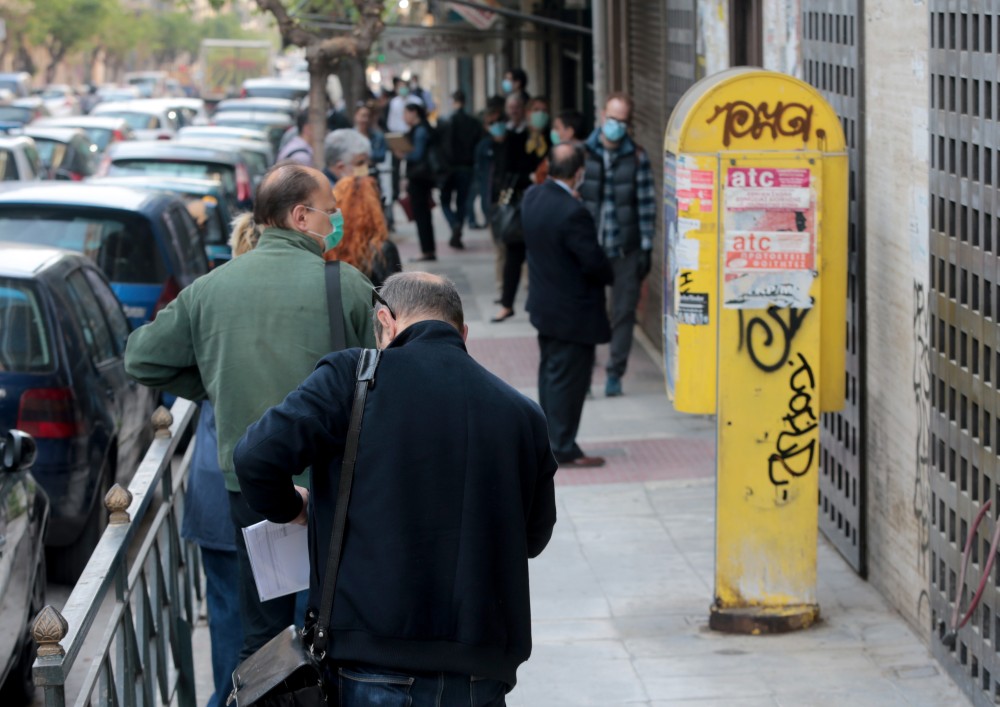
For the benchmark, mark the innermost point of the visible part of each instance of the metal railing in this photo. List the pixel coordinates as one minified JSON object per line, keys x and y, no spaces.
{"x":132,"y":612}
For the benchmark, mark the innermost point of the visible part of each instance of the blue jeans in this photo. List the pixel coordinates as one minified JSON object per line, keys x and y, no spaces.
{"x":222,"y":595}
{"x":364,"y":686}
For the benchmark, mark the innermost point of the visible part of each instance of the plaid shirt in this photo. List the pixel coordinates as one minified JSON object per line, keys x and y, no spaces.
{"x":610,"y":234}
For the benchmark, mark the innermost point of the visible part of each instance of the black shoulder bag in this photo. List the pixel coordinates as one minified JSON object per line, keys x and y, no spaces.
{"x":287,"y":671}
{"x":505,"y":218}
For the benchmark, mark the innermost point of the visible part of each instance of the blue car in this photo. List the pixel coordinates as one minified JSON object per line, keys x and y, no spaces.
{"x":145,"y":242}
{"x":63,"y":381}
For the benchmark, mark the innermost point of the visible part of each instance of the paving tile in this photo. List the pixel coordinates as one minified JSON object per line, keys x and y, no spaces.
{"x":578,"y":674}
{"x":661,"y":685}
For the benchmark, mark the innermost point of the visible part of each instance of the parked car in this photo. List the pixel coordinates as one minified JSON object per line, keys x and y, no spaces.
{"x":259,"y":156}
{"x":65,"y":152}
{"x":60,"y":100}
{"x":18,"y":83}
{"x":19,"y":160}
{"x":117,"y":94}
{"x":274,"y":124}
{"x":150,"y":84}
{"x":150,"y":120}
{"x":24,"y":517}
{"x":206,"y":201}
{"x":65,"y":382}
{"x":102,"y":130}
{"x":223,"y":131}
{"x":182,"y":160}
{"x":145,"y":242}
{"x":275,"y":87}
{"x":187,"y":111}
{"x":259,"y":105}
{"x":14,"y":116}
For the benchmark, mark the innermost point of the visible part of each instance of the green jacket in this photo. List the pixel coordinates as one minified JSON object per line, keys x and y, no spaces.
{"x":248,"y":333}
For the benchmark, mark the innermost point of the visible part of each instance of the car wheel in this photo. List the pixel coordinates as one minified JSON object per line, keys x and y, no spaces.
{"x":66,"y":564}
{"x":19,"y":688}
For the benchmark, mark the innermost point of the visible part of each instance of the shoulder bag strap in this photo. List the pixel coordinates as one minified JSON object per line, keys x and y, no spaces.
{"x":365,"y":378}
{"x":333,"y":300}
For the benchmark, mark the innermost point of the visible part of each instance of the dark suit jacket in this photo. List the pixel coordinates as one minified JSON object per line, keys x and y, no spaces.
{"x":567,"y":268}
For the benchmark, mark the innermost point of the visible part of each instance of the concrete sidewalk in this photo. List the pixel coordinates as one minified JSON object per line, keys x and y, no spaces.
{"x":620,"y":596}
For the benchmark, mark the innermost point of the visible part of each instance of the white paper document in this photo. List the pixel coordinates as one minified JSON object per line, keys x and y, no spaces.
{"x":279,"y":557}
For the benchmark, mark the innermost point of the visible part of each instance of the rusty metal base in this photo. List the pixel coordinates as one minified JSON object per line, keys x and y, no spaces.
{"x":760,"y":620}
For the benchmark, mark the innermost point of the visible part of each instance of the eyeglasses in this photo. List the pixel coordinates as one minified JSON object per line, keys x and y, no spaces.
{"x":377,"y":300}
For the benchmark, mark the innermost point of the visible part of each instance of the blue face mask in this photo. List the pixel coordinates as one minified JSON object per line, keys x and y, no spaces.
{"x":554,"y":137}
{"x":507,"y":85}
{"x":614,"y":130}
{"x":336,"y":235}
{"x":498,"y":129}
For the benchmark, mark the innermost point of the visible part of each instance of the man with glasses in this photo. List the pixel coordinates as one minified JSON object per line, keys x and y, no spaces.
{"x":453,"y":492}
{"x":248,"y":333}
{"x":618,"y":191}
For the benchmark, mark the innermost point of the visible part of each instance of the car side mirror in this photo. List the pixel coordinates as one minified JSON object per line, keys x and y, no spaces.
{"x":17,"y":451}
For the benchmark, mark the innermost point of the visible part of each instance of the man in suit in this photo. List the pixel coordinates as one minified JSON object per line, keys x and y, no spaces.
{"x":568,"y":271}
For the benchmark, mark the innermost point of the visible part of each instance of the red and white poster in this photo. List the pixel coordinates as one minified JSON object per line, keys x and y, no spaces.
{"x":695,"y":184}
{"x":769,"y":251}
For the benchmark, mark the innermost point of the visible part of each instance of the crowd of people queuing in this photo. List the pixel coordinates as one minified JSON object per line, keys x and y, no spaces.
{"x":576,"y":207}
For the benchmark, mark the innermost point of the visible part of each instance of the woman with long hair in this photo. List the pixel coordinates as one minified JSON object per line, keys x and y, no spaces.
{"x":366,"y":243}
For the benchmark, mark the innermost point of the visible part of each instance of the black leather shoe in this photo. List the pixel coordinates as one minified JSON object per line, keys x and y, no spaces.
{"x":502,"y":316}
{"x":425,"y":258}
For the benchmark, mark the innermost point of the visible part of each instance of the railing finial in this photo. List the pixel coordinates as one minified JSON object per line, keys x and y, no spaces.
{"x":162,"y":419}
{"x":48,"y":630}
{"x":117,"y":501}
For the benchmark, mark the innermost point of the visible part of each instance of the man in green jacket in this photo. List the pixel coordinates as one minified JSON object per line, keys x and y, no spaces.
{"x":249,"y":333}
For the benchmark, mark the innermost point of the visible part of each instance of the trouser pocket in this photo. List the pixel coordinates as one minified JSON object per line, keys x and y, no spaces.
{"x":359,"y":687}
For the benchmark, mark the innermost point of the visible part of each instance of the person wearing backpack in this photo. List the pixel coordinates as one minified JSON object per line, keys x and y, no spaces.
{"x":420,"y":176}
{"x":460,"y":138}
{"x":618,"y":191}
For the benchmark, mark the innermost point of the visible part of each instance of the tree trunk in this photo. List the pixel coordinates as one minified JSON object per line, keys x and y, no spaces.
{"x":319,"y":72}
{"x":24,"y":58}
{"x":351,"y":72}
{"x":56,"y":56}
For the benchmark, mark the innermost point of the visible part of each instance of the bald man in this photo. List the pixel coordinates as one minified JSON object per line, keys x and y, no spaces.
{"x":248,"y":333}
{"x":453,"y":493}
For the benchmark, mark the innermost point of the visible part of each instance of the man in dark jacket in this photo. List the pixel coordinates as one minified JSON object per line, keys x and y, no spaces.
{"x":461,"y":136}
{"x":568,"y":271}
{"x":453,"y":492}
{"x":618,"y":192}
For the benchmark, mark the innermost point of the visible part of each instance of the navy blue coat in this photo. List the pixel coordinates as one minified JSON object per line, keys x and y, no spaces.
{"x":453,"y":492}
{"x":567,"y":268}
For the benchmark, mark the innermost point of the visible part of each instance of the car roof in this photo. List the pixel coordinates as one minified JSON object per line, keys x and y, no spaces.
{"x":232,"y":143}
{"x":260,"y":101}
{"x":82,"y":121}
{"x":136,"y":106}
{"x":23,"y":259}
{"x":14,"y":141}
{"x":277,"y":81}
{"x":157,"y":149}
{"x":53,"y":133}
{"x":224,"y":132}
{"x":262,"y":117}
{"x":79,"y":194}
{"x":189,"y":185}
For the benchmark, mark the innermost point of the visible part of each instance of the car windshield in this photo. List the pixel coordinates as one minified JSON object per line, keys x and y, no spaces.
{"x":205,"y":212}
{"x":225,"y":174}
{"x":15,"y":114}
{"x":137,"y":121}
{"x":25,"y":346}
{"x":121,"y":244}
{"x":100,"y":138}
{"x":53,"y":93}
{"x":10,"y":85}
{"x":293,"y":94}
{"x":51,"y":152}
{"x":8,"y":167}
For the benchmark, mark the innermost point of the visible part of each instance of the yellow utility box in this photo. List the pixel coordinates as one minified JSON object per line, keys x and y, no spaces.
{"x":755,"y":297}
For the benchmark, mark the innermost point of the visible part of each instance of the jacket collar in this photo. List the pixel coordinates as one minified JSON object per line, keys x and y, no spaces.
{"x":431,"y":331}
{"x":274,"y":237}
{"x":595,"y":145}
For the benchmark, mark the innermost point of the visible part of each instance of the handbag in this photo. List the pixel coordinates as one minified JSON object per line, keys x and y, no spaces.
{"x":288,"y":670}
{"x":505,"y":219}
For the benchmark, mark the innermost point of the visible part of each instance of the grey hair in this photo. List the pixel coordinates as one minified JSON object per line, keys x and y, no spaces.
{"x":422,"y":296}
{"x":341,"y":145}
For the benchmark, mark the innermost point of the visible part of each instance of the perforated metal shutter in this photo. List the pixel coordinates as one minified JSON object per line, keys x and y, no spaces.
{"x":964,"y":305}
{"x":831,"y":47}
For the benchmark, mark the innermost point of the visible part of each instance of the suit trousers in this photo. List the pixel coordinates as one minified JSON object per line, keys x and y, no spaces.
{"x":512,"y":265}
{"x":420,"y":199}
{"x":563,"y":381}
{"x":622,"y":303}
